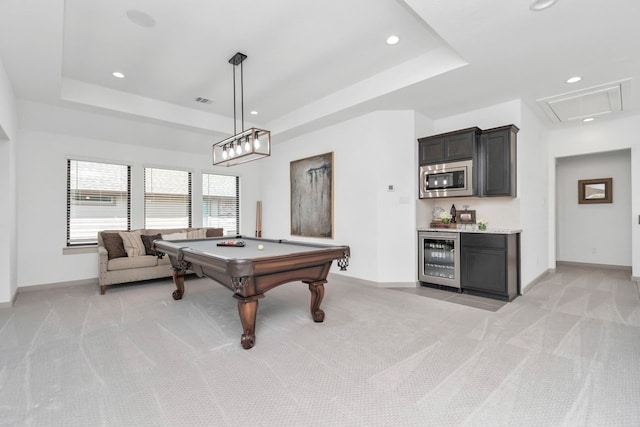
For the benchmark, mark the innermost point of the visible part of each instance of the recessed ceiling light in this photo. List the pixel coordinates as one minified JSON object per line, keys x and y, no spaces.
{"x":254,"y":112}
{"x":118,"y":74}
{"x":391,"y":40}
{"x":141,"y":18}
{"x":574,"y":79}
{"x":538,"y":5}
{"x":589,"y":119}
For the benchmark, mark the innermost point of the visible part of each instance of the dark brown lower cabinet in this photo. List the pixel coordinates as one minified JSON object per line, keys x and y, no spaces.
{"x":489,"y":264}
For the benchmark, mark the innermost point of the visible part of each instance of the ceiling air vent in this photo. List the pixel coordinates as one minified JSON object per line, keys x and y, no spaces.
{"x":203,"y":100}
{"x":591,"y":102}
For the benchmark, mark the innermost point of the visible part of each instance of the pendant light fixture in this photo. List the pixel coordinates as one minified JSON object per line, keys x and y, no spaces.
{"x":248,"y":145}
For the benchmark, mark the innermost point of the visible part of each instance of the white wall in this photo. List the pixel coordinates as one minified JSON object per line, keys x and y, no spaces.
{"x":597,"y":137}
{"x":594,"y":233}
{"x":396,"y":166}
{"x":370,"y":153}
{"x":485,"y":118}
{"x":42,"y":194}
{"x":533,"y":183}
{"x":8,"y":112}
{"x":424,"y":127}
{"x":8,"y":214}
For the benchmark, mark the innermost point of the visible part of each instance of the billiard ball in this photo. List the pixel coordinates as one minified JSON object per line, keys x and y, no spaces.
{"x":260,"y":247}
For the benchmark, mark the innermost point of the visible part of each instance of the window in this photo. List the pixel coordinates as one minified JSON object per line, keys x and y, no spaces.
{"x":98,"y":198}
{"x":167,"y":198}
{"x":221,"y":202}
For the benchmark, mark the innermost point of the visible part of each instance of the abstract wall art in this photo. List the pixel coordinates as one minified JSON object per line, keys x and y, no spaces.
{"x":312,"y":196}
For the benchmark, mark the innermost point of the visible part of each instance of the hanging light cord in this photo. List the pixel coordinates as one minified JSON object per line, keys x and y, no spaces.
{"x":235,"y":130}
{"x":242,"y":95}
{"x":235,"y":108}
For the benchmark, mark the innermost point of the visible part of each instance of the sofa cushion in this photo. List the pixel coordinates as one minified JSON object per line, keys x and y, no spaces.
{"x":132,"y":243}
{"x":175,"y":236}
{"x":214,"y":232}
{"x":147,"y":241}
{"x":113,"y":244}
{"x":132,"y":262}
{"x":200,"y":233}
{"x":150,"y":231}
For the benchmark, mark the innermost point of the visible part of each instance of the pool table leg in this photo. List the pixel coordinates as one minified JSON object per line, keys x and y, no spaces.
{"x":248,"y":308}
{"x":317,"y":293}
{"x":178,"y":279}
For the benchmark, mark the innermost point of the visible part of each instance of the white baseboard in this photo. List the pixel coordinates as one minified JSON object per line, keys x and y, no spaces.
{"x":587,"y":264}
{"x":371,"y":283}
{"x":398,"y":285}
{"x":541,"y":277}
{"x":9,"y":304}
{"x":83,"y":282}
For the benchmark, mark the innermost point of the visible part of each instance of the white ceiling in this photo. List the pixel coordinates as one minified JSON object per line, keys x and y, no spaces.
{"x":310,"y":61}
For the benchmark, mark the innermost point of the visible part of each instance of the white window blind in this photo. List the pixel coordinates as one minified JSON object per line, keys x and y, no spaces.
{"x":221,"y":202}
{"x":167,"y":198}
{"x":98,"y":198}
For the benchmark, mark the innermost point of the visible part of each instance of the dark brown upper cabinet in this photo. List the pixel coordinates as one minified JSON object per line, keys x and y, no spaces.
{"x":448,"y":147}
{"x":496,"y":165}
{"x":493,"y":152}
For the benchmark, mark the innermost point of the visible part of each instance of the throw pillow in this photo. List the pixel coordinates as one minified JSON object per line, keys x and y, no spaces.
{"x":132,"y":243}
{"x":196,"y":234}
{"x":113,"y":244}
{"x":214,"y":232}
{"x":147,"y":241}
{"x":174,"y":236}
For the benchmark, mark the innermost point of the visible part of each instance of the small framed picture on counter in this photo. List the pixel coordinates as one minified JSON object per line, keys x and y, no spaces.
{"x":466,"y":217}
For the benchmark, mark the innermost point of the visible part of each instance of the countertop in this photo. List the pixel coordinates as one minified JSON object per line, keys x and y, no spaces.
{"x":473,"y":228}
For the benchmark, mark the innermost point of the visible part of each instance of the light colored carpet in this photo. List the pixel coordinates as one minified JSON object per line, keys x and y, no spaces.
{"x":566,"y":353}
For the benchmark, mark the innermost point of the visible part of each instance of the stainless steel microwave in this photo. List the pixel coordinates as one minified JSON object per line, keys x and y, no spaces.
{"x":453,"y":179}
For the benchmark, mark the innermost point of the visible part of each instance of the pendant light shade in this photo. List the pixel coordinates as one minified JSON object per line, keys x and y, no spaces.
{"x":250,"y":144}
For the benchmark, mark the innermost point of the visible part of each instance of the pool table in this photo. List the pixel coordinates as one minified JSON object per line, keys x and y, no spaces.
{"x":251,"y":270}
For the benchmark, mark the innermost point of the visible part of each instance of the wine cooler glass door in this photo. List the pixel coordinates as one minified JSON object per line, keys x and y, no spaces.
{"x":439,"y":258}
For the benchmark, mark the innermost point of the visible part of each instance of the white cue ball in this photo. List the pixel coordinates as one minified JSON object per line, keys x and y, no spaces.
{"x":260,"y":247}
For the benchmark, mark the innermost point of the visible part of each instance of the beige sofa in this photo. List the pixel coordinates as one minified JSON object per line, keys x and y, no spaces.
{"x":123,"y":261}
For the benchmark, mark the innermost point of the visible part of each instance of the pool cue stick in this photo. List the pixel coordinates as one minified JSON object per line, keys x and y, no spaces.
{"x":258,"y":218}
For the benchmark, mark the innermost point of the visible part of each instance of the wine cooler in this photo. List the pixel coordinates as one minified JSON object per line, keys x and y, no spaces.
{"x":439,"y":258}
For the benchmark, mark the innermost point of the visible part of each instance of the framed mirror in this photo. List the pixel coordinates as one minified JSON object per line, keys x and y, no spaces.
{"x":595,"y":190}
